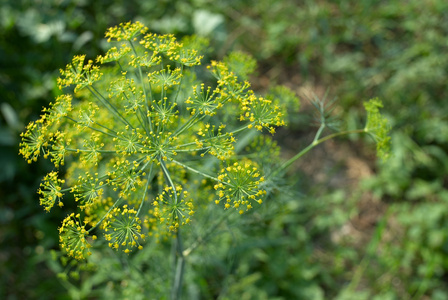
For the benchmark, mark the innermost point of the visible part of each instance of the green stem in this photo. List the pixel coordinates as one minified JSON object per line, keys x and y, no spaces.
{"x":315,"y":142}
{"x":93,"y":128}
{"x":193,"y":119}
{"x":150,"y":176}
{"x":104,"y":127}
{"x":105,"y":215}
{"x":140,"y":73}
{"x":180,"y":83}
{"x":195,"y":171}
{"x":168,"y":178}
{"x":319,"y":132}
{"x":190,"y":150}
{"x":176,"y":291}
{"x":109,"y":106}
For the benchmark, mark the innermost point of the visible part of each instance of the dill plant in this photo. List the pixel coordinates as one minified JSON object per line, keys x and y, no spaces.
{"x":136,"y":126}
{"x":131,"y":122}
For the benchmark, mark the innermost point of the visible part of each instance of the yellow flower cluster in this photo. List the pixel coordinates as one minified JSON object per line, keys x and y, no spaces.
{"x":41,"y":137}
{"x":57,"y":110}
{"x":126,"y":31}
{"x":165,"y":78}
{"x":129,"y":142}
{"x":187,"y":57}
{"x":79,"y":74}
{"x":161,"y":44}
{"x":114,"y":54}
{"x":88,"y":190}
{"x":204,"y":102}
{"x":218,"y":144}
{"x":125,"y":178}
{"x":72,"y":237}
{"x":239,"y":186}
{"x":123,"y":229}
{"x":50,"y":190}
{"x":165,"y":113}
{"x":139,"y":120}
{"x":261,"y":113}
{"x":173,"y":208}
{"x":34,"y":141}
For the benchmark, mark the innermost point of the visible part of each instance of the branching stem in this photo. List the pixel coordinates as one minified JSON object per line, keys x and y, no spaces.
{"x":195,"y":171}
{"x":105,"y":215}
{"x":315,"y":142}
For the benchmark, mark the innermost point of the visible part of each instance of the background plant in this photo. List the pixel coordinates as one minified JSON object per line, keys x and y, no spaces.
{"x":374,"y":48}
{"x":156,"y":122}
{"x":333,"y":52}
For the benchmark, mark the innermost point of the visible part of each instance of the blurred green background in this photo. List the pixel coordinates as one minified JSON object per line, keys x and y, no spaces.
{"x":350,"y":229}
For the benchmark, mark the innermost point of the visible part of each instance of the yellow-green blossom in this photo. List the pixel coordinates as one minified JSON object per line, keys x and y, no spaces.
{"x":50,"y":191}
{"x":173,"y":208}
{"x":239,"y":186}
{"x":378,"y":127}
{"x":72,"y":237}
{"x":123,"y":230}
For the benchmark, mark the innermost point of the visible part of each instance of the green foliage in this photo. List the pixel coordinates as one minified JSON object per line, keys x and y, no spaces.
{"x":241,"y":64}
{"x":377,"y":126}
{"x":375,"y":49}
{"x":135,"y":150}
{"x":360,"y":49}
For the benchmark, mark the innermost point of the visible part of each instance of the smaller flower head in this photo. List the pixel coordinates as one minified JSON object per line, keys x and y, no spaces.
{"x":114,"y":54}
{"x":164,"y":44}
{"x":125,"y":31}
{"x":88,"y":190}
{"x":239,"y":186}
{"x":34,"y":141}
{"x":204,"y":101}
{"x":80,"y":74}
{"x":216,"y":142}
{"x":261,"y":113}
{"x":50,"y":191}
{"x":123,"y":229}
{"x":72,"y":237}
{"x":378,"y":127}
{"x":59,"y":109}
{"x":173,"y":208}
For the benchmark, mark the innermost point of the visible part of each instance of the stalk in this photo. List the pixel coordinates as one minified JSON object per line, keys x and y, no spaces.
{"x":176,"y":291}
{"x":315,"y":142}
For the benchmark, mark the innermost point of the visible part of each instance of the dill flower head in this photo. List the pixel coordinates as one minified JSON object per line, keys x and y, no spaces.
{"x":173,"y":208}
{"x":378,"y":127}
{"x":80,"y":74}
{"x":261,"y":113}
{"x":123,"y":229}
{"x":59,"y":109}
{"x":126,"y":31}
{"x":50,"y":190}
{"x":72,"y":237}
{"x":34,"y":141}
{"x":216,"y":142}
{"x":88,"y":190}
{"x":239,"y":186}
